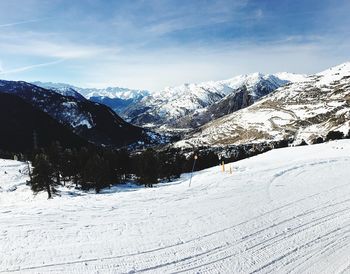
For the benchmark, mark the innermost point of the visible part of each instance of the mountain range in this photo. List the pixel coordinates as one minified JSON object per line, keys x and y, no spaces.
{"x":249,"y":108}
{"x":118,"y":99}
{"x":186,"y":106}
{"x":300,"y":111}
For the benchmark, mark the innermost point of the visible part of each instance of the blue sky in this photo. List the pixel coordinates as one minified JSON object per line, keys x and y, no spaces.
{"x":151,"y":44}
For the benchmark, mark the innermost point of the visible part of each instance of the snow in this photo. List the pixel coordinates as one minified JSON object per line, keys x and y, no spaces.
{"x":173,"y":103}
{"x":75,"y":116}
{"x":321,"y":100}
{"x":334,"y":74}
{"x":110,"y":92}
{"x":285,"y":211}
{"x":291,"y":77}
{"x":122,"y":93}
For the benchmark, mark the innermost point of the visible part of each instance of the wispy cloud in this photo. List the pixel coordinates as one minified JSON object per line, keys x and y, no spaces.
{"x":29,"y":67}
{"x":154,"y":43}
{"x":35,"y":45}
{"x":22,"y":22}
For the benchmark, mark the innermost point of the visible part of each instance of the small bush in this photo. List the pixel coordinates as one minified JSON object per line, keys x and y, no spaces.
{"x":334,"y":135}
{"x":317,"y":140}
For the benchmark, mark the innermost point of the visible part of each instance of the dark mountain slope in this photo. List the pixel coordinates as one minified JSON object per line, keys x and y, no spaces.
{"x":94,"y":122}
{"x":19,"y":120}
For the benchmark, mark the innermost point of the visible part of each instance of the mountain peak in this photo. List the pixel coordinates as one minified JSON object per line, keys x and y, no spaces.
{"x":333,"y":74}
{"x":341,"y":69}
{"x":291,"y":77}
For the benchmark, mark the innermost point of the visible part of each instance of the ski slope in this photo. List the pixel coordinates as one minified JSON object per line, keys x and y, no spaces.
{"x":285,"y":211}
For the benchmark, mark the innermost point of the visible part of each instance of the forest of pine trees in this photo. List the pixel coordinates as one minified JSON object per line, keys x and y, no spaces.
{"x":92,"y":168}
{"x":96,"y":168}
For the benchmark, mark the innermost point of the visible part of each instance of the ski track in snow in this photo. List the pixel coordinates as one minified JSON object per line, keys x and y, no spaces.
{"x":285,"y":211}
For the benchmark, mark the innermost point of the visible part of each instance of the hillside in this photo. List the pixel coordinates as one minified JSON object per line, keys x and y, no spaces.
{"x":94,"y":122}
{"x":19,"y":122}
{"x":302,"y":110}
{"x":285,"y":211}
{"x":116,"y":98}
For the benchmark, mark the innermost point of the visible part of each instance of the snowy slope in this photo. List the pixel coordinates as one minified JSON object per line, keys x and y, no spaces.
{"x":291,"y":77}
{"x":286,"y":211}
{"x":299,"y":110}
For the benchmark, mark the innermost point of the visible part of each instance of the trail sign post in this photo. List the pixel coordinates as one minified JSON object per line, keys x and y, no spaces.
{"x":194,"y":163}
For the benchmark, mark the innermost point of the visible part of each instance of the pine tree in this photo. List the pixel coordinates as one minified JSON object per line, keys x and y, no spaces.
{"x":148,"y":168}
{"x":55,"y":155}
{"x":166,"y":163}
{"x":96,"y":173}
{"x":42,"y":175}
{"x":178,"y":166}
{"x":334,"y":135}
{"x":124,"y":163}
{"x":69,"y":165}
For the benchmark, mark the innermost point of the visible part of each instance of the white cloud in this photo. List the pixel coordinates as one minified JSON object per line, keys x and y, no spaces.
{"x":22,"y":22}
{"x":29,"y":67}
{"x":153,"y":70}
{"x":53,"y":49}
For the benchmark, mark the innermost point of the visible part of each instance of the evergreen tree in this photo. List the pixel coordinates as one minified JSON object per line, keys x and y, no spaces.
{"x":55,"y":156}
{"x":317,"y":140}
{"x":112,"y":167}
{"x":166,"y":162}
{"x":148,"y":168}
{"x":178,"y":165}
{"x":69,"y":165}
{"x":124,"y":163}
{"x":42,"y":175}
{"x":334,"y":135}
{"x":96,"y":173}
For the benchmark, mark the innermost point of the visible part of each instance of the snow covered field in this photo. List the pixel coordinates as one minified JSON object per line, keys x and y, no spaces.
{"x":285,"y":211}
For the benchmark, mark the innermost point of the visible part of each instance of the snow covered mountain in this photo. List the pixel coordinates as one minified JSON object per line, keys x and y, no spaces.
{"x":192,"y":105}
{"x":115,"y":97}
{"x":303,"y":110}
{"x":284,"y":211}
{"x":186,"y":106}
{"x":94,"y":122}
{"x":63,"y":89}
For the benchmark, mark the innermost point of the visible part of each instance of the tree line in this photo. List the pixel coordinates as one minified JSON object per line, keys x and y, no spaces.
{"x":94,"y":168}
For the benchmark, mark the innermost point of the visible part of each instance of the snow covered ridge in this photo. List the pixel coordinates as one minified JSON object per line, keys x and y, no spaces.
{"x":110,"y":92}
{"x":285,"y":211}
{"x":64,"y":109}
{"x":114,"y":97}
{"x":65,"y":90}
{"x":167,"y":106}
{"x":190,"y":100}
{"x":301,"y":111}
